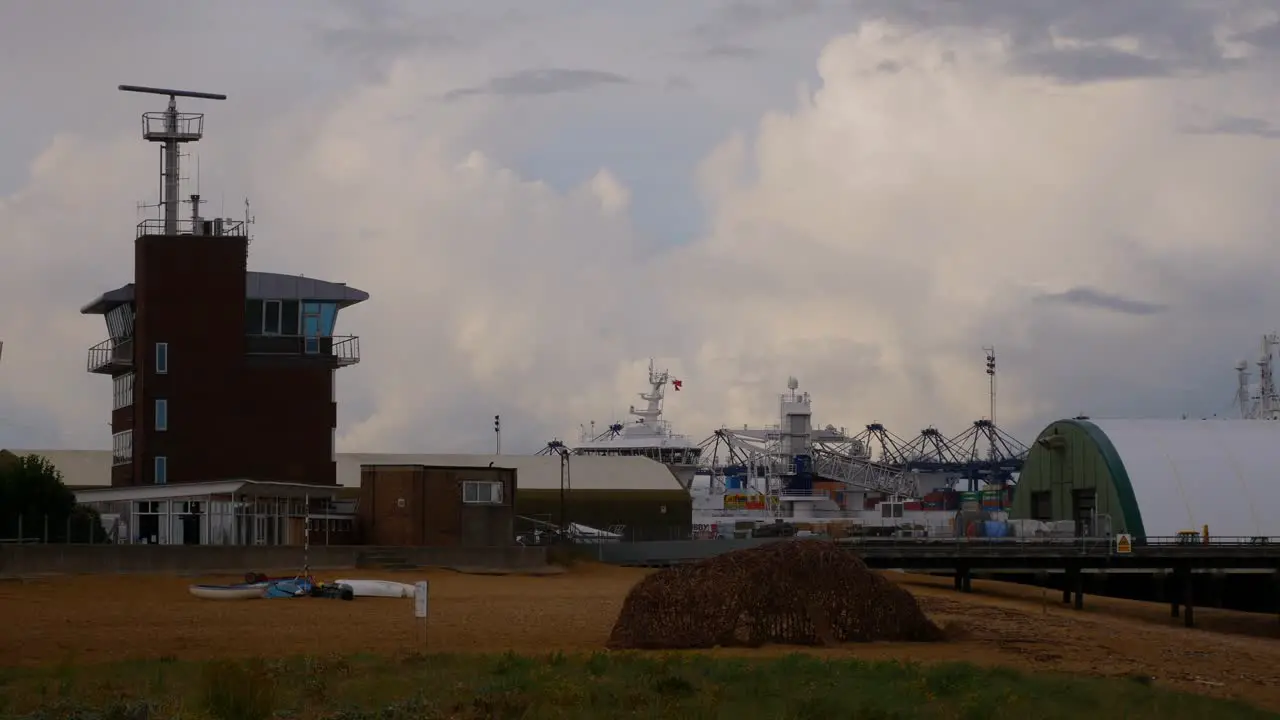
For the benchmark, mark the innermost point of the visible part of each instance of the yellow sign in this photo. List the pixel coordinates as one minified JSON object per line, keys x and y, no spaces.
{"x":1124,"y":545}
{"x":749,"y":501}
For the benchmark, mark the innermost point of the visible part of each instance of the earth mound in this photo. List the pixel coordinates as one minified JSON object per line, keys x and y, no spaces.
{"x":794,"y":592}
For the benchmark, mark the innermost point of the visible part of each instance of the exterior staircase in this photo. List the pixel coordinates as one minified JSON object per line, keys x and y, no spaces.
{"x":383,"y":559}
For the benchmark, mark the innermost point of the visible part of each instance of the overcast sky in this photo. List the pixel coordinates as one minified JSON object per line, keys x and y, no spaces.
{"x":541,"y":195}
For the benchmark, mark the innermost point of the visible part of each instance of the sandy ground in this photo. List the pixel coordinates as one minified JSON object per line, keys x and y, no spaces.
{"x":104,"y":618}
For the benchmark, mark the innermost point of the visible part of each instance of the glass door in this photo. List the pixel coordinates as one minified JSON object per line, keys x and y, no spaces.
{"x":311,"y":327}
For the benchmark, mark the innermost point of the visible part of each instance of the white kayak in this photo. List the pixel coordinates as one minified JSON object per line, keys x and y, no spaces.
{"x":378,"y":588}
{"x":244,"y":591}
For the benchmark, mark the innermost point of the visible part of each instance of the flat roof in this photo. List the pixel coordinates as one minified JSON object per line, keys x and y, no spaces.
{"x":203,"y":489}
{"x":533,"y":472}
{"x":92,"y":468}
{"x":258,"y":286}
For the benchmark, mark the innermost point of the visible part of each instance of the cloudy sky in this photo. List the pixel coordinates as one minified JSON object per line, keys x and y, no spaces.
{"x":541,"y":195}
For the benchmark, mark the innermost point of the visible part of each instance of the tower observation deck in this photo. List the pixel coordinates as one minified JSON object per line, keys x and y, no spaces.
{"x":218,"y":372}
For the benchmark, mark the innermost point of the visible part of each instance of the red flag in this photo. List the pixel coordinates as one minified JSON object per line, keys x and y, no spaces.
{"x":677,"y":384}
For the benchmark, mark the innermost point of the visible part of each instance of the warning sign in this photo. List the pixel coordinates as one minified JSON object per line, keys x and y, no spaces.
{"x":1124,"y":545}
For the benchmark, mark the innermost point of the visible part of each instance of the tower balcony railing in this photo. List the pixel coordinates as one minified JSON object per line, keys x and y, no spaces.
{"x":111,"y":356}
{"x":343,"y":350}
{"x":186,"y":226}
{"x":183,"y":127}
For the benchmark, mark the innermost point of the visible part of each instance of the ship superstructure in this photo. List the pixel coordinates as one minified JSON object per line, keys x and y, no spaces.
{"x":832,"y":482}
{"x":648,"y":435}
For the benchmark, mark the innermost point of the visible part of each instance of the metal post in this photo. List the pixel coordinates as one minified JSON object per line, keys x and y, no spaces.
{"x":1188,"y":597}
{"x":171,"y":169}
{"x":306,"y":536}
{"x":563,"y":526}
{"x":46,"y":529}
{"x":497,"y":434}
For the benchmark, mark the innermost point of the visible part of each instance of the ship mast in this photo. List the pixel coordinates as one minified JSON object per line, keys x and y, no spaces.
{"x":658,"y":385}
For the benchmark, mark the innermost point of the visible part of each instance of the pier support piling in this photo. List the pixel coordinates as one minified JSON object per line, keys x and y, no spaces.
{"x":1188,"y":596}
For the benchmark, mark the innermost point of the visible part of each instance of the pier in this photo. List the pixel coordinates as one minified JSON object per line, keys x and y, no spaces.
{"x":1173,"y":561}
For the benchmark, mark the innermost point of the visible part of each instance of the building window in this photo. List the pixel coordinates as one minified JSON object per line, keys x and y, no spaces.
{"x":122,"y":391}
{"x":1042,"y":506}
{"x":478,"y":492}
{"x":271,"y":317}
{"x":120,"y":322}
{"x":162,"y":414}
{"x":252,"y":317}
{"x":162,"y":358}
{"x":289,"y":317}
{"x":162,"y":470}
{"x":122,"y":448}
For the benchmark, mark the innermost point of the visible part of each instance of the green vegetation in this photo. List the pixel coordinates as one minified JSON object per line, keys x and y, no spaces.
{"x":38,"y":506}
{"x":594,"y":687}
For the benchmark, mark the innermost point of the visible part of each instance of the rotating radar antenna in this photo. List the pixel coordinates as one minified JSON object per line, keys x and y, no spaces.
{"x":172,"y":128}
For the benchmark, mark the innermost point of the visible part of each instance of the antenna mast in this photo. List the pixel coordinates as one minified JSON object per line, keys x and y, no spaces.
{"x":1267,"y":396}
{"x":991,"y":375}
{"x":171,"y":128}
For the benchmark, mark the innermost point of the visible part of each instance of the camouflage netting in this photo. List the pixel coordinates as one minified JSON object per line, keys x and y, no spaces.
{"x":796,"y":592}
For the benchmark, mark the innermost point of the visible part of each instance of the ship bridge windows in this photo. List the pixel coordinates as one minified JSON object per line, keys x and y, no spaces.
{"x":664,"y":455}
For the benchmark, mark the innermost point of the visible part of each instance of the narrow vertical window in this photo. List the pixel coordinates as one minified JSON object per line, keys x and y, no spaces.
{"x":162,"y":470}
{"x":162,"y":358}
{"x":162,"y":414}
{"x":271,"y":317}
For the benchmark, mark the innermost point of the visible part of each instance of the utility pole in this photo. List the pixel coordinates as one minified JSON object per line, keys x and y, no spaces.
{"x":497,"y":434}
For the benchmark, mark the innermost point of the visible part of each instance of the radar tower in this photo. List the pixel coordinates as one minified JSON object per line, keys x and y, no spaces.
{"x":172,"y":128}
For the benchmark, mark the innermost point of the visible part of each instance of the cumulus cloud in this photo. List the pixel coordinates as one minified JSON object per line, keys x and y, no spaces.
{"x":875,"y":237}
{"x":869,"y":238}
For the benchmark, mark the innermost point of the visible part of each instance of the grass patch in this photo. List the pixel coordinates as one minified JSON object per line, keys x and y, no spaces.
{"x":592,"y":687}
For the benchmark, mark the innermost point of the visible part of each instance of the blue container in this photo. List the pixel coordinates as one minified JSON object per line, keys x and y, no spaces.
{"x":995,"y":528}
{"x":735,"y":482}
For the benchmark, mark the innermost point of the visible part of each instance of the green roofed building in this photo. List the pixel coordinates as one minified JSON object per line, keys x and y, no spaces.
{"x":1154,"y":478}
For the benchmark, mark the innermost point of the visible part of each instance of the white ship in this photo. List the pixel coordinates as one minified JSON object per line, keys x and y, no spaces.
{"x":648,"y":435}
